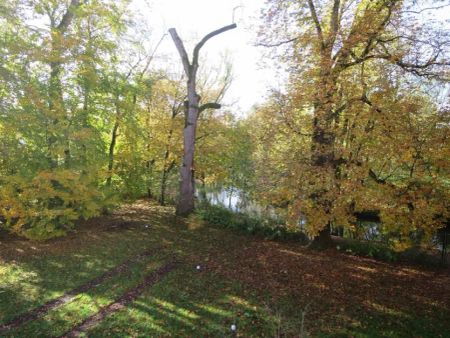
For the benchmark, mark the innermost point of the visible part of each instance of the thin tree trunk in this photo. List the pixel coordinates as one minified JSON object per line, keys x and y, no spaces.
{"x":112,"y":146}
{"x":56,"y":100}
{"x":85,"y":124}
{"x":149,"y":166}
{"x":203,"y":197}
{"x":165,"y":176}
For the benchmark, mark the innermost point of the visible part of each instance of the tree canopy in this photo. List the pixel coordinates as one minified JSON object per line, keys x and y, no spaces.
{"x":88,"y":119}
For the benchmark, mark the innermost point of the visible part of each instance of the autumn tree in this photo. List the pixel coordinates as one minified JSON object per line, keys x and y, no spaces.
{"x":333,"y":48}
{"x":56,"y":111}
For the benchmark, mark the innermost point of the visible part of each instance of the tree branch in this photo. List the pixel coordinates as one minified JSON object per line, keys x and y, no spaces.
{"x":206,"y":38}
{"x":209,"y":105}
{"x":334,"y":23}
{"x":312,"y":9}
{"x":276,"y":44}
{"x":68,"y":16}
{"x":181,"y":50}
{"x":354,"y":38}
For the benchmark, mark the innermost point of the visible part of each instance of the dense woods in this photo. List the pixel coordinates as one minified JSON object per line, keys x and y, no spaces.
{"x":86,"y":119}
{"x":89,"y":120}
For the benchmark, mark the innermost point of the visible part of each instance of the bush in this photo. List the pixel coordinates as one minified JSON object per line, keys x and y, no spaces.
{"x":48,"y":204}
{"x":266,"y":228}
{"x":420,"y":256}
{"x":369,"y":249}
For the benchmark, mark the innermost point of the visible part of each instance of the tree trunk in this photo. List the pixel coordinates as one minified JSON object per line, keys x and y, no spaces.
{"x":165,"y":176}
{"x":202,"y":193}
{"x":149,"y":166}
{"x":56,"y":100}
{"x":230,"y":197}
{"x":186,"y":202}
{"x":112,"y":146}
{"x":167,"y":168}
{"x":323,"y":240}
{"x":187,"y":189}
{"x":323,"y":143}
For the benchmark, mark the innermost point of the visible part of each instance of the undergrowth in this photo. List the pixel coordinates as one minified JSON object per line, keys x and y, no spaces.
{"x":267,"y":228}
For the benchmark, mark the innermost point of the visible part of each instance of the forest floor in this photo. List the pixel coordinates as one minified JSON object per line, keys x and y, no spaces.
{"x":134,"y":273}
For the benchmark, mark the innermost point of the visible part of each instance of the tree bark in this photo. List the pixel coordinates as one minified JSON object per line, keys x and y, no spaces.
{"x":167,"y":167}
{"x":323,"y":143}
{"x":56,"y":100}
{"x":186,"y":202}
{"x":165,"y":176}
{"x":112,"y":147}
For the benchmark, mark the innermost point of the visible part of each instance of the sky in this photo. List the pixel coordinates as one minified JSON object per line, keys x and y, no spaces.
{"x":195,"y":18}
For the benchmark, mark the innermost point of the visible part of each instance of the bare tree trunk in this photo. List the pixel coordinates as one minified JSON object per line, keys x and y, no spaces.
{"x":186,"y":203}
{"x":149,"y":167}
{"x":187,"y":190}
{"x":85,"y":124}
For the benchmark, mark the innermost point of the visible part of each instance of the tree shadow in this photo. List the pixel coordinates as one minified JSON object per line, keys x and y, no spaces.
{"x":247,"y":280}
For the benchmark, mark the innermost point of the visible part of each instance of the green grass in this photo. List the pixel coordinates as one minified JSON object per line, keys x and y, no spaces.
{"x":189,"y":304}
{"x":231,"y":288}
{"x":185,"y":302}
{"x":62,"y":319}
{"x":32,"y":280}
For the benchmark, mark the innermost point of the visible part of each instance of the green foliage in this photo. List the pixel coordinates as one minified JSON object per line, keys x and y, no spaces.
{"x":266,"y":228}
{"x":59,"y":106}
{"x":420,"y":256}
{"x":369,"y":249}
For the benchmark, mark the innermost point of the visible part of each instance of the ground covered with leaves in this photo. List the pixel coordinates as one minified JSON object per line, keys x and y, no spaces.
{"x":135,"y":273}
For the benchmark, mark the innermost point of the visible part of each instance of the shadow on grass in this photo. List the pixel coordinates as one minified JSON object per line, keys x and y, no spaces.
{"x":30,"y":279}
{"x":261,"y":286}
{"x":187,"y":304}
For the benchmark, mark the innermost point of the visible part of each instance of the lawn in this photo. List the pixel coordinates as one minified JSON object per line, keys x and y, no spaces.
{"x":134,"y":273}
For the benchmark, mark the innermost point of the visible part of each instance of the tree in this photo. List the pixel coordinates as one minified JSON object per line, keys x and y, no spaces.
{"x":53,"y":119}
{"x":192,"y":109}
{"x":328,"y":43}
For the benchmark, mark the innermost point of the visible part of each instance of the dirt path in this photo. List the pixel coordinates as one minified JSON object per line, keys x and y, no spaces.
{"x":122,"y":301}
{"x":70,"y":295}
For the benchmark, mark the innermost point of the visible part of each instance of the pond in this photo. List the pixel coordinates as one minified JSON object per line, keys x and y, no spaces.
{"x":235,"y":200}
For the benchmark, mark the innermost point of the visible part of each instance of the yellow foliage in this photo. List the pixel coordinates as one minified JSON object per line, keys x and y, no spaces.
{"x":48,"y":204}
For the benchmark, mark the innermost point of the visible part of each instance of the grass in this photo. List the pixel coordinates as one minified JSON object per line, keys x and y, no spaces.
{"x":259,"y":285}
{"x":194,"y":308}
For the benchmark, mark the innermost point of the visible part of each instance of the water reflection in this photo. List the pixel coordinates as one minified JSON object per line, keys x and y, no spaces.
{"x":237,"y":201}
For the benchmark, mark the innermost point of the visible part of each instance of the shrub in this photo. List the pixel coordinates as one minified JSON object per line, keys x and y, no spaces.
{"x":369,"y":249}
{"x":47,"y":205}
{"x":266,"y":228}
{"x":419,"y":255}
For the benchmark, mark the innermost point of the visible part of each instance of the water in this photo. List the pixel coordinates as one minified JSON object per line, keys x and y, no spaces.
{"x":235,"y":200}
